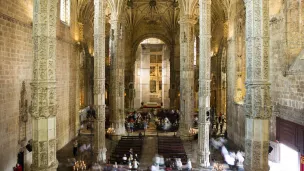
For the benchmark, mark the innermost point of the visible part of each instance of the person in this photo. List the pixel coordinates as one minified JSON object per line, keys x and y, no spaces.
{"x":124,"y":159}
{"x":140,"y":135}
{"x":220,"y":118}
{"x":89,"y":112}
{"x":179,"y":164}
{"x":136,"y":157}
{"x":189,"y":165}
{"x":139,"y":116}
{"x":128,"y":126}
{"x":130,"y":151}
{"x":130,"y":164}
{"x":115,"y":166}
{"x":221,"y":127}
{"x":93,"y":113}
{"x":18,"y":167}
{"x":131,"y":126}
{"x":131,"y":157}
{"x":167,"y":163}
{"x":75,"y":148}
{"x":154,"y":167}
{"x":135,"y":164}
{"x":145,"y":125}
{"x":161,"y":161}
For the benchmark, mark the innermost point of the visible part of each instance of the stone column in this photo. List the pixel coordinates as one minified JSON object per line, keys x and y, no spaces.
{"x":258,"y":100}
{"x":117,"y":66}
{"x":137,"y":84}
{"x":231,"y":78}
{"x":99,"y":78}
{"x":204,"y":83}
{"x":165,"y":77}
{"x":186,"y":74}
{"x":44,"y":104}
{"x":145,"y":74}
{"x":172,"y":90}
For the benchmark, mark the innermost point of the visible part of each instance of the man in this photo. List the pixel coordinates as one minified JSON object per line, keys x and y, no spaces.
{"x":124,"y":159}
{"x":75,"y":148}
{"x":140,"y":135}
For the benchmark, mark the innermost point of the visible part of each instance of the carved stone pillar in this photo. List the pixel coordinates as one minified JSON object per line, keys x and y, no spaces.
{"x":99,"y":78}
{"x":258,"y":100}
{"x":231,"y":78}
{"x":117,"y":76}
{"x":165,"y":78}
{"x":44,"y":104}
{"x":172,"y":90}
{"x":145,"y":74}
{"x":186,"y":74}
{"x":204,"y":83}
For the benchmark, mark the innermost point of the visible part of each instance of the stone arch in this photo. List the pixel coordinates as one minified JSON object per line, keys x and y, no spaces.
{"x":137,"y":41}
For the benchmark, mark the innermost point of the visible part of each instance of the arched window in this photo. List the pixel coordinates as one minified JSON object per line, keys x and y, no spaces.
{"x":65,"y":6}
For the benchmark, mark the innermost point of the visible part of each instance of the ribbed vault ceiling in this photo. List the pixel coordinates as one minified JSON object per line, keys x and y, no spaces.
{"x":165,"y":13}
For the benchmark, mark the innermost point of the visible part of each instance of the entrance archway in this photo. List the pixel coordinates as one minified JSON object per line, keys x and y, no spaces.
{"x":152,"y":74}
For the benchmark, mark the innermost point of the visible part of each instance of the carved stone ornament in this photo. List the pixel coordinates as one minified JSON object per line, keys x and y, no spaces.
{"x":23,"y":115}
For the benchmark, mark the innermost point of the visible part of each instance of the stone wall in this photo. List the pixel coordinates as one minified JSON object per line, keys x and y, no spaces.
{"x":16,"y":61}
{"x":287,"y":85}
{"x":235,"y":109}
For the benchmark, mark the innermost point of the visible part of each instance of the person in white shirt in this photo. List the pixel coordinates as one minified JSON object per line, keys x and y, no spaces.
{"x":124,"y":159}
{"x":189,"y":165}
{"x":179,"y":164}
{"x":135,"y":164}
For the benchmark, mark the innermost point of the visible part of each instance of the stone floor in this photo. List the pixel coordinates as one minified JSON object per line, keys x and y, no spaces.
{"x":65,"y":155}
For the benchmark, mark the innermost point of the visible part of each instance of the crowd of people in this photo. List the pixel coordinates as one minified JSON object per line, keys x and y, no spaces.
{"x":167,"y":120}
{"x":137,"y":121}
{"x":159,"y":163}
{"x":217,"y":124}
{"x":233,"y":159}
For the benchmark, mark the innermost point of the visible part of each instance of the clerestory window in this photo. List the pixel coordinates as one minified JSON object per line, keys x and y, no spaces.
{"x":65,"y":6}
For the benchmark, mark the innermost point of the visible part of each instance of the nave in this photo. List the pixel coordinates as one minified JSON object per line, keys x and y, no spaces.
{"x":153,"y":142}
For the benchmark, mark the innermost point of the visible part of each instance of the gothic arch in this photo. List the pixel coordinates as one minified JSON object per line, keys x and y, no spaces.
{"x":137,"y":41}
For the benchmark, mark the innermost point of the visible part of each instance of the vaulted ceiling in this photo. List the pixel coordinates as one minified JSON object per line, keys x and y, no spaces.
{"x":155,"y":14}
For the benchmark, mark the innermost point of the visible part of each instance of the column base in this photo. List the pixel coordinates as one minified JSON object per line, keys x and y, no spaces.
{"x":101,"y":156}
{"x":202,"y":168}
{"x":183,"y":131}
{"x":254,"y":168}
{"x":203,"y":160}
{"x":52,"y":167}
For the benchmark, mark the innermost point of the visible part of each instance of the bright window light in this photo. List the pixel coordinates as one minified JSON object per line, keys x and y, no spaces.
{"x":289,"y":160}
{"x":65,"y":6}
